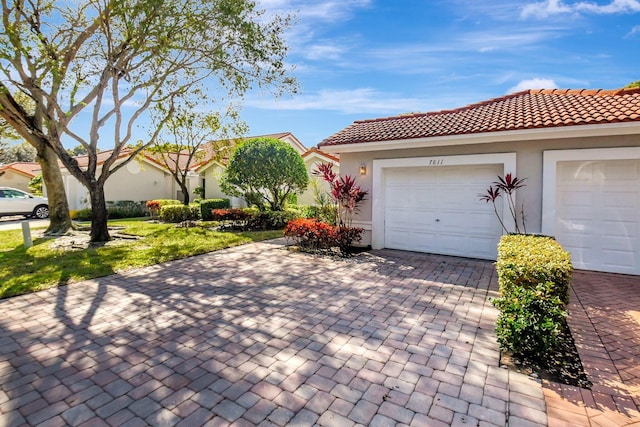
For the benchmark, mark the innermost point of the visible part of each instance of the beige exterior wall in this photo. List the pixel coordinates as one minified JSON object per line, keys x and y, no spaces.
{"x":308,"y":196}
{"x":212,"y":176}
{"x":138,"y":181}
{"x":16,"y":180}
{"x":529,"y":165}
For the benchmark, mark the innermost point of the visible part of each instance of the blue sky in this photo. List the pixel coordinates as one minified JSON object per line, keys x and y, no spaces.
{"x":358,"y":59}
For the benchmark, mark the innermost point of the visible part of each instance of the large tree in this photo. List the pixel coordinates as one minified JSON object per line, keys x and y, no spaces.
{"x":111,"y":62}
{"x":191,"y":137}
{"x":16,"y":111}
{"x":265,"y":171}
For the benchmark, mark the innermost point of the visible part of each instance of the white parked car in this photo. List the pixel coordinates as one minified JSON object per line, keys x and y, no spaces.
{"x":17,"y":202}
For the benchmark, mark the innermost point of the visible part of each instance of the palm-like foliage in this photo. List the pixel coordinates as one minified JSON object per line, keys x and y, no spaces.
{"x":507,"y":185}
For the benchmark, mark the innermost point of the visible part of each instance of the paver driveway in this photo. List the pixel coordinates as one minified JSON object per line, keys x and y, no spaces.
{"x":258,"y":335}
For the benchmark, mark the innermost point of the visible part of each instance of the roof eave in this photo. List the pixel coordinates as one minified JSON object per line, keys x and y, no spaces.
{"x":580,"y":131}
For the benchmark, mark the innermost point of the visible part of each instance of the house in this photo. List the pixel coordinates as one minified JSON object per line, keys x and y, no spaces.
{"x":579,"y":151}
{"x":148,"y":177}
{"x":139,"y":180}
{"x":209,"y":169}
{"x":312,"y":158}
{"x":18,"y":174}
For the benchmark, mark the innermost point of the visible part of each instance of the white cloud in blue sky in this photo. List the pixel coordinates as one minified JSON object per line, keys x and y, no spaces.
{"x":554,"y":7}
{"x":534,"y":83}
{"x":374,"y":58}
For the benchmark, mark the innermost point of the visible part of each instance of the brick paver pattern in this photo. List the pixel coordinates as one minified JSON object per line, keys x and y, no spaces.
{"x":604,"y":317}
{"x":259,"y":335}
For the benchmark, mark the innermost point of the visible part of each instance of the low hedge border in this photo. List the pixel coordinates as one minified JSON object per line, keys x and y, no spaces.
{"x":534,"y":274}
{"x":528,"y":260}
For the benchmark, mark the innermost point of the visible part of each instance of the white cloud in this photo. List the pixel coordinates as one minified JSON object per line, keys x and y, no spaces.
{"x":545,"y":9}
{"x":555,"y":7}
{"x":330,"y":51}
{"x":353,"y":101}
{"x":616,"y":6}
{"x":535,"y":83}
{"x":635,"y":30}
{"x":325,"y":10}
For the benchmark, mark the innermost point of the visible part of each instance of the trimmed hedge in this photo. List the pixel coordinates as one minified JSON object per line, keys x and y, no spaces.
{"x":167,"y":202}
{"x":526,"y":261}
{"x":208,"y":205}
{"x":115,"y":210}
{"x":531,"y":321}
{"x":179,"y":213}
{"x":534,"y":274}
{"x":272,"y":220}
{"x":125,"y":209}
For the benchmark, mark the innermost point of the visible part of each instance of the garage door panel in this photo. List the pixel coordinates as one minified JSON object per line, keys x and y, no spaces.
{"x":622,"y":170}
{"x":598,"y":214}
{"x":626,"y":229}
{"x":619,"y":260}
{"x":446,"y":214}
{"x":421,"y":241}
{"x":621,"y":199}
{"x":570,"y":172}
{"x":577,"y":198}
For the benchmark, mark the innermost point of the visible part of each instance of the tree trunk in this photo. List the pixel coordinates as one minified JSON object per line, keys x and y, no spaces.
{"x":59,"y":217}
{"x":99,"y":228}
{"x":185,"y":193}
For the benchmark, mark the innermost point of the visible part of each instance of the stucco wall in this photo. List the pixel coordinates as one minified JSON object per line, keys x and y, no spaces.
{"x":308,"y":196}
{"x":529,"y":165}
{"x":15,"y":180}
{"x":138,"y":181}
{"x":212,"y":185}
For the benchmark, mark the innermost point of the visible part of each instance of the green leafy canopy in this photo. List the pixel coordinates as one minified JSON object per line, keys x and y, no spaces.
{"x":265,"y":171}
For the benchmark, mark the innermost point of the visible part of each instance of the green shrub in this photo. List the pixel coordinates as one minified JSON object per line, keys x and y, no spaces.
{"x":115,"y":210}
{"x":531,"y":321}
{"x":208,"y":205}
{"x":326,"y":213}
{"x":81,"y":215}
{"x":179,"y":213}
{"x":272,"y":220}
{"x":526,"y":261}
{"x":167,"y":202}
{"x":125,"y":209}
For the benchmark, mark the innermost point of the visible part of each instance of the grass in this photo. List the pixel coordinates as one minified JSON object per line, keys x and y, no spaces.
{"x":40,"y":267}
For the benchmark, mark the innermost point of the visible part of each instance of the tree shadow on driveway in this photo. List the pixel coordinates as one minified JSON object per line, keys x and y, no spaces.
{"x":254,"y":333}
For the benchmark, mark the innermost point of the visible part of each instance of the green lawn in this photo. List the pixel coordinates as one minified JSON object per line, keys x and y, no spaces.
{"x":40,"y":267}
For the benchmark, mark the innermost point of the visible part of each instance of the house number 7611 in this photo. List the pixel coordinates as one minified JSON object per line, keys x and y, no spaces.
{"x":436,"y":162}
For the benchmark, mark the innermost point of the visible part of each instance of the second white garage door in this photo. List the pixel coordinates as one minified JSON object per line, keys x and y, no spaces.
{"x":437,"y":210}
{"x":598,"y":214}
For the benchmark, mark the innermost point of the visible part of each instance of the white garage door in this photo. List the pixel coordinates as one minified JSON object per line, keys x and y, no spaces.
{"x":598,"y":214}
{"x":437,"y":210}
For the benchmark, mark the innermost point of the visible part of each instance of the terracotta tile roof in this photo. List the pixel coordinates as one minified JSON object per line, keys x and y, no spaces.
{"x":29,"y":169}
{"x":530,"y":109}
{"x":181,"y":158}
{"x":312,"y":150}
{"x":101,"y":157}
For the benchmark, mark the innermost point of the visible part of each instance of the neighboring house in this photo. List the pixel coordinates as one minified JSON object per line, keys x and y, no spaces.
{"x":147,"y":177}
{"x":210,"y":169}
{"x":579,"y":151}
{"x":312,"y":158}
{"x":18,"y":174}
{"x":140,"y":180}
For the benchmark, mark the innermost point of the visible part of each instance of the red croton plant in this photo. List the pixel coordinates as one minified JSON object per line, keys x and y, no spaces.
{"x":347,"y":197}
{"x":507,"y":185}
